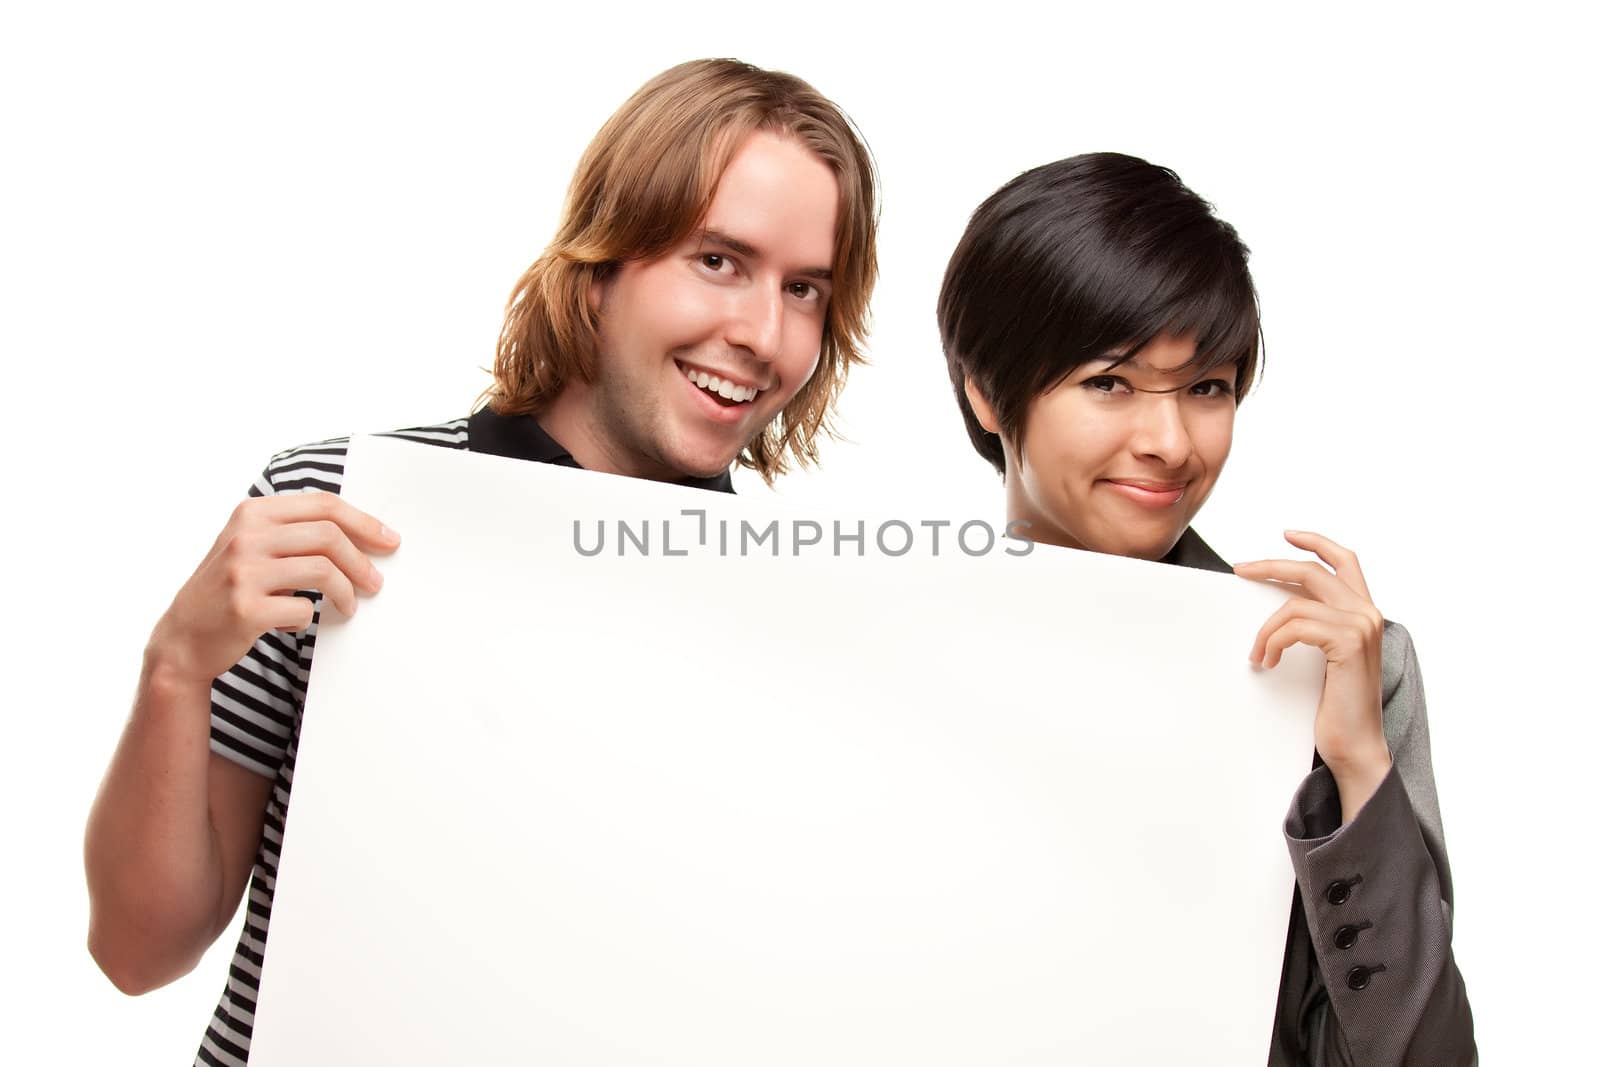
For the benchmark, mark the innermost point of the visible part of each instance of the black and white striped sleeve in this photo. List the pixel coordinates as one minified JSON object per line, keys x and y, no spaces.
{"x":254,"y":705}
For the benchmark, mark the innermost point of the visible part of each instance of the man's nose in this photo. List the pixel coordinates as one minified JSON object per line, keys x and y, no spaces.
{"x":1161,"y":432}
{"x":756,"y":321}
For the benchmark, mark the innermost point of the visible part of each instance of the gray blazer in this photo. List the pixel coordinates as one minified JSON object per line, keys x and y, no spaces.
{"x":1372,"y":903}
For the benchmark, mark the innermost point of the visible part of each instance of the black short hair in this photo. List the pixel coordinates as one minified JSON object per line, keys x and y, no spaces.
{"x":1086,"y":257}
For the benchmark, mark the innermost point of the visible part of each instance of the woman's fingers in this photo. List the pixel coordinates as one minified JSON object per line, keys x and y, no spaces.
{"x":1345,"y":587}
{"x":1341,"y":559}
{"x":1313,"y":578}
{"x":1341,"y":635}
{"x":1262,"y":651}
{"x":1293,"y":632}
{"x":1337,"y":616}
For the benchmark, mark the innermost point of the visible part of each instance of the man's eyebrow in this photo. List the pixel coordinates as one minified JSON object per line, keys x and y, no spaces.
{"x":749,"y":251}
{"x":728,"y":241}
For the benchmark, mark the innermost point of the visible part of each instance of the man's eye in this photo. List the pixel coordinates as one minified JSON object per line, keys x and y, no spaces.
{"x":712,"y":261}
{"x":805,"y":290}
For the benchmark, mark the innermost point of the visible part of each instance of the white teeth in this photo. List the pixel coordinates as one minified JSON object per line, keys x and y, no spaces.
{"x":725,"y":389}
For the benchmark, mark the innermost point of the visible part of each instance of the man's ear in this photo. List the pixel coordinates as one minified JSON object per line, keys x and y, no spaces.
{"x":980,"y":406}
{"x":596,"y":295}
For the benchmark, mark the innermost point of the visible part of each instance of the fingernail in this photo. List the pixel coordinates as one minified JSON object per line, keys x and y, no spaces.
{"x":377,"y":579}
{"x":388,"y":534}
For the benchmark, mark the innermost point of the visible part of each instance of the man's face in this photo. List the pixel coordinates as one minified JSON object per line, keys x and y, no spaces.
{"x":1110,"y":464}
{"x":700,"y":348}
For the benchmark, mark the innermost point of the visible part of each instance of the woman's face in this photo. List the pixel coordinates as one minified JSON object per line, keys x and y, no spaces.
{"x":1119,"y":460}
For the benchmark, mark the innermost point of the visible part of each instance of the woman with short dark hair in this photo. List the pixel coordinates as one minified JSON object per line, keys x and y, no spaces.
{"x":1100,"y":327}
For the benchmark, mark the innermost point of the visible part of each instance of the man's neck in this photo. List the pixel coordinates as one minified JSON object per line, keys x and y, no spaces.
{"x":571,"y":419}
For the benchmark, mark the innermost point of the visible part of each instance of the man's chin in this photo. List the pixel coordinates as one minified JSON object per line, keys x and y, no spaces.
{"x":712,"y":454}
{"x":704,"y":462}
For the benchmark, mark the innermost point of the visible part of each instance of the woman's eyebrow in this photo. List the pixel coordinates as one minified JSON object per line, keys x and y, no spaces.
{"x":1135,"y":363}
{"x":1112,"y":360}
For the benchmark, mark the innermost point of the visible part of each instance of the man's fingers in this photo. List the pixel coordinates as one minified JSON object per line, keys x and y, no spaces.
{"x":326,"y":538}
{"x":288,"y":613}
{"x":1341,"y":559}
{"x":314,"y":573}
{"x":365,"y":531}
{"x":276,"y":545}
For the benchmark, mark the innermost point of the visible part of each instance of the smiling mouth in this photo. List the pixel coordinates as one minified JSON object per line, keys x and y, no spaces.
{"x":1150,"y":494}
{"x":723,"y":391}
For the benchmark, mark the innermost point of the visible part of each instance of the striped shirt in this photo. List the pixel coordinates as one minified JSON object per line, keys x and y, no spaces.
{"x":256,"y":706}
{"x":255,"y":722}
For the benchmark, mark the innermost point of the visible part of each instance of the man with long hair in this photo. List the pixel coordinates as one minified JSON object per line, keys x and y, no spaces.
{"x":702,"y":301}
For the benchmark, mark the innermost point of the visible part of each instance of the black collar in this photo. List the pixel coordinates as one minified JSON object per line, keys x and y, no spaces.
{"x":521,"y":437}
{"x":1190,"y":551}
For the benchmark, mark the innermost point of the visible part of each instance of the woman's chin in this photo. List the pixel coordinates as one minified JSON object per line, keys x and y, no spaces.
{"x":1152,"y":546}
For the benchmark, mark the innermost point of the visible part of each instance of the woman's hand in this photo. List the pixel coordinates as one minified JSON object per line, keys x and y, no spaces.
{"x":1334,"y":612}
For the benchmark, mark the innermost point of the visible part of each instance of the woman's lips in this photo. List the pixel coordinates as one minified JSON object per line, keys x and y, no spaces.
{"x":1149,"y":494}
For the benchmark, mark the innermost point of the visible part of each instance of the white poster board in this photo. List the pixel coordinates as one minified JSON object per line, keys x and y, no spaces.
{"x":722,"y":809}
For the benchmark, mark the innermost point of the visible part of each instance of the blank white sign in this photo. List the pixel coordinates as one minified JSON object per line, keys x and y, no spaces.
{"x":722,"y":810}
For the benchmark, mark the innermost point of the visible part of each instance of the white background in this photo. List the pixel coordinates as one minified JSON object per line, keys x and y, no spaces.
{"x":225,"y":233}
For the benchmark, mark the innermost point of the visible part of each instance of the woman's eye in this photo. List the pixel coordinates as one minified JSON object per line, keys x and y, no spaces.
{"x":713,"y":262}
{"x":1212,"y":387}
{"x":1105,"y":383}
{"x":804,"y":290}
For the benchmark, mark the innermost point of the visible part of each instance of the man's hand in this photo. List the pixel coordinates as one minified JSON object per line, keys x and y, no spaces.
{"x":245,"y":586}
{"x":174,"y":830}
{"x":1333,"y":611}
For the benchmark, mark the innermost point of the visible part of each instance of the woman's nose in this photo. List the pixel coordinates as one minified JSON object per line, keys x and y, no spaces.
{"x":1160,"y":432}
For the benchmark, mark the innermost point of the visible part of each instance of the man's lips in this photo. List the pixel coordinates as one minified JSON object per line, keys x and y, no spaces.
{"x":733,"y":379}
{"x":1150,"y":494}
{"x":723,"y":414}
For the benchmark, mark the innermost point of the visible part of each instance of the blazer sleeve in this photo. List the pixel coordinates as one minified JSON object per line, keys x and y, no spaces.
{"x":1383,"y":988}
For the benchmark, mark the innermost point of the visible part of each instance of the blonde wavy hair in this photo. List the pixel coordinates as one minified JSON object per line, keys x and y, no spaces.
{"x":643,"y":185}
